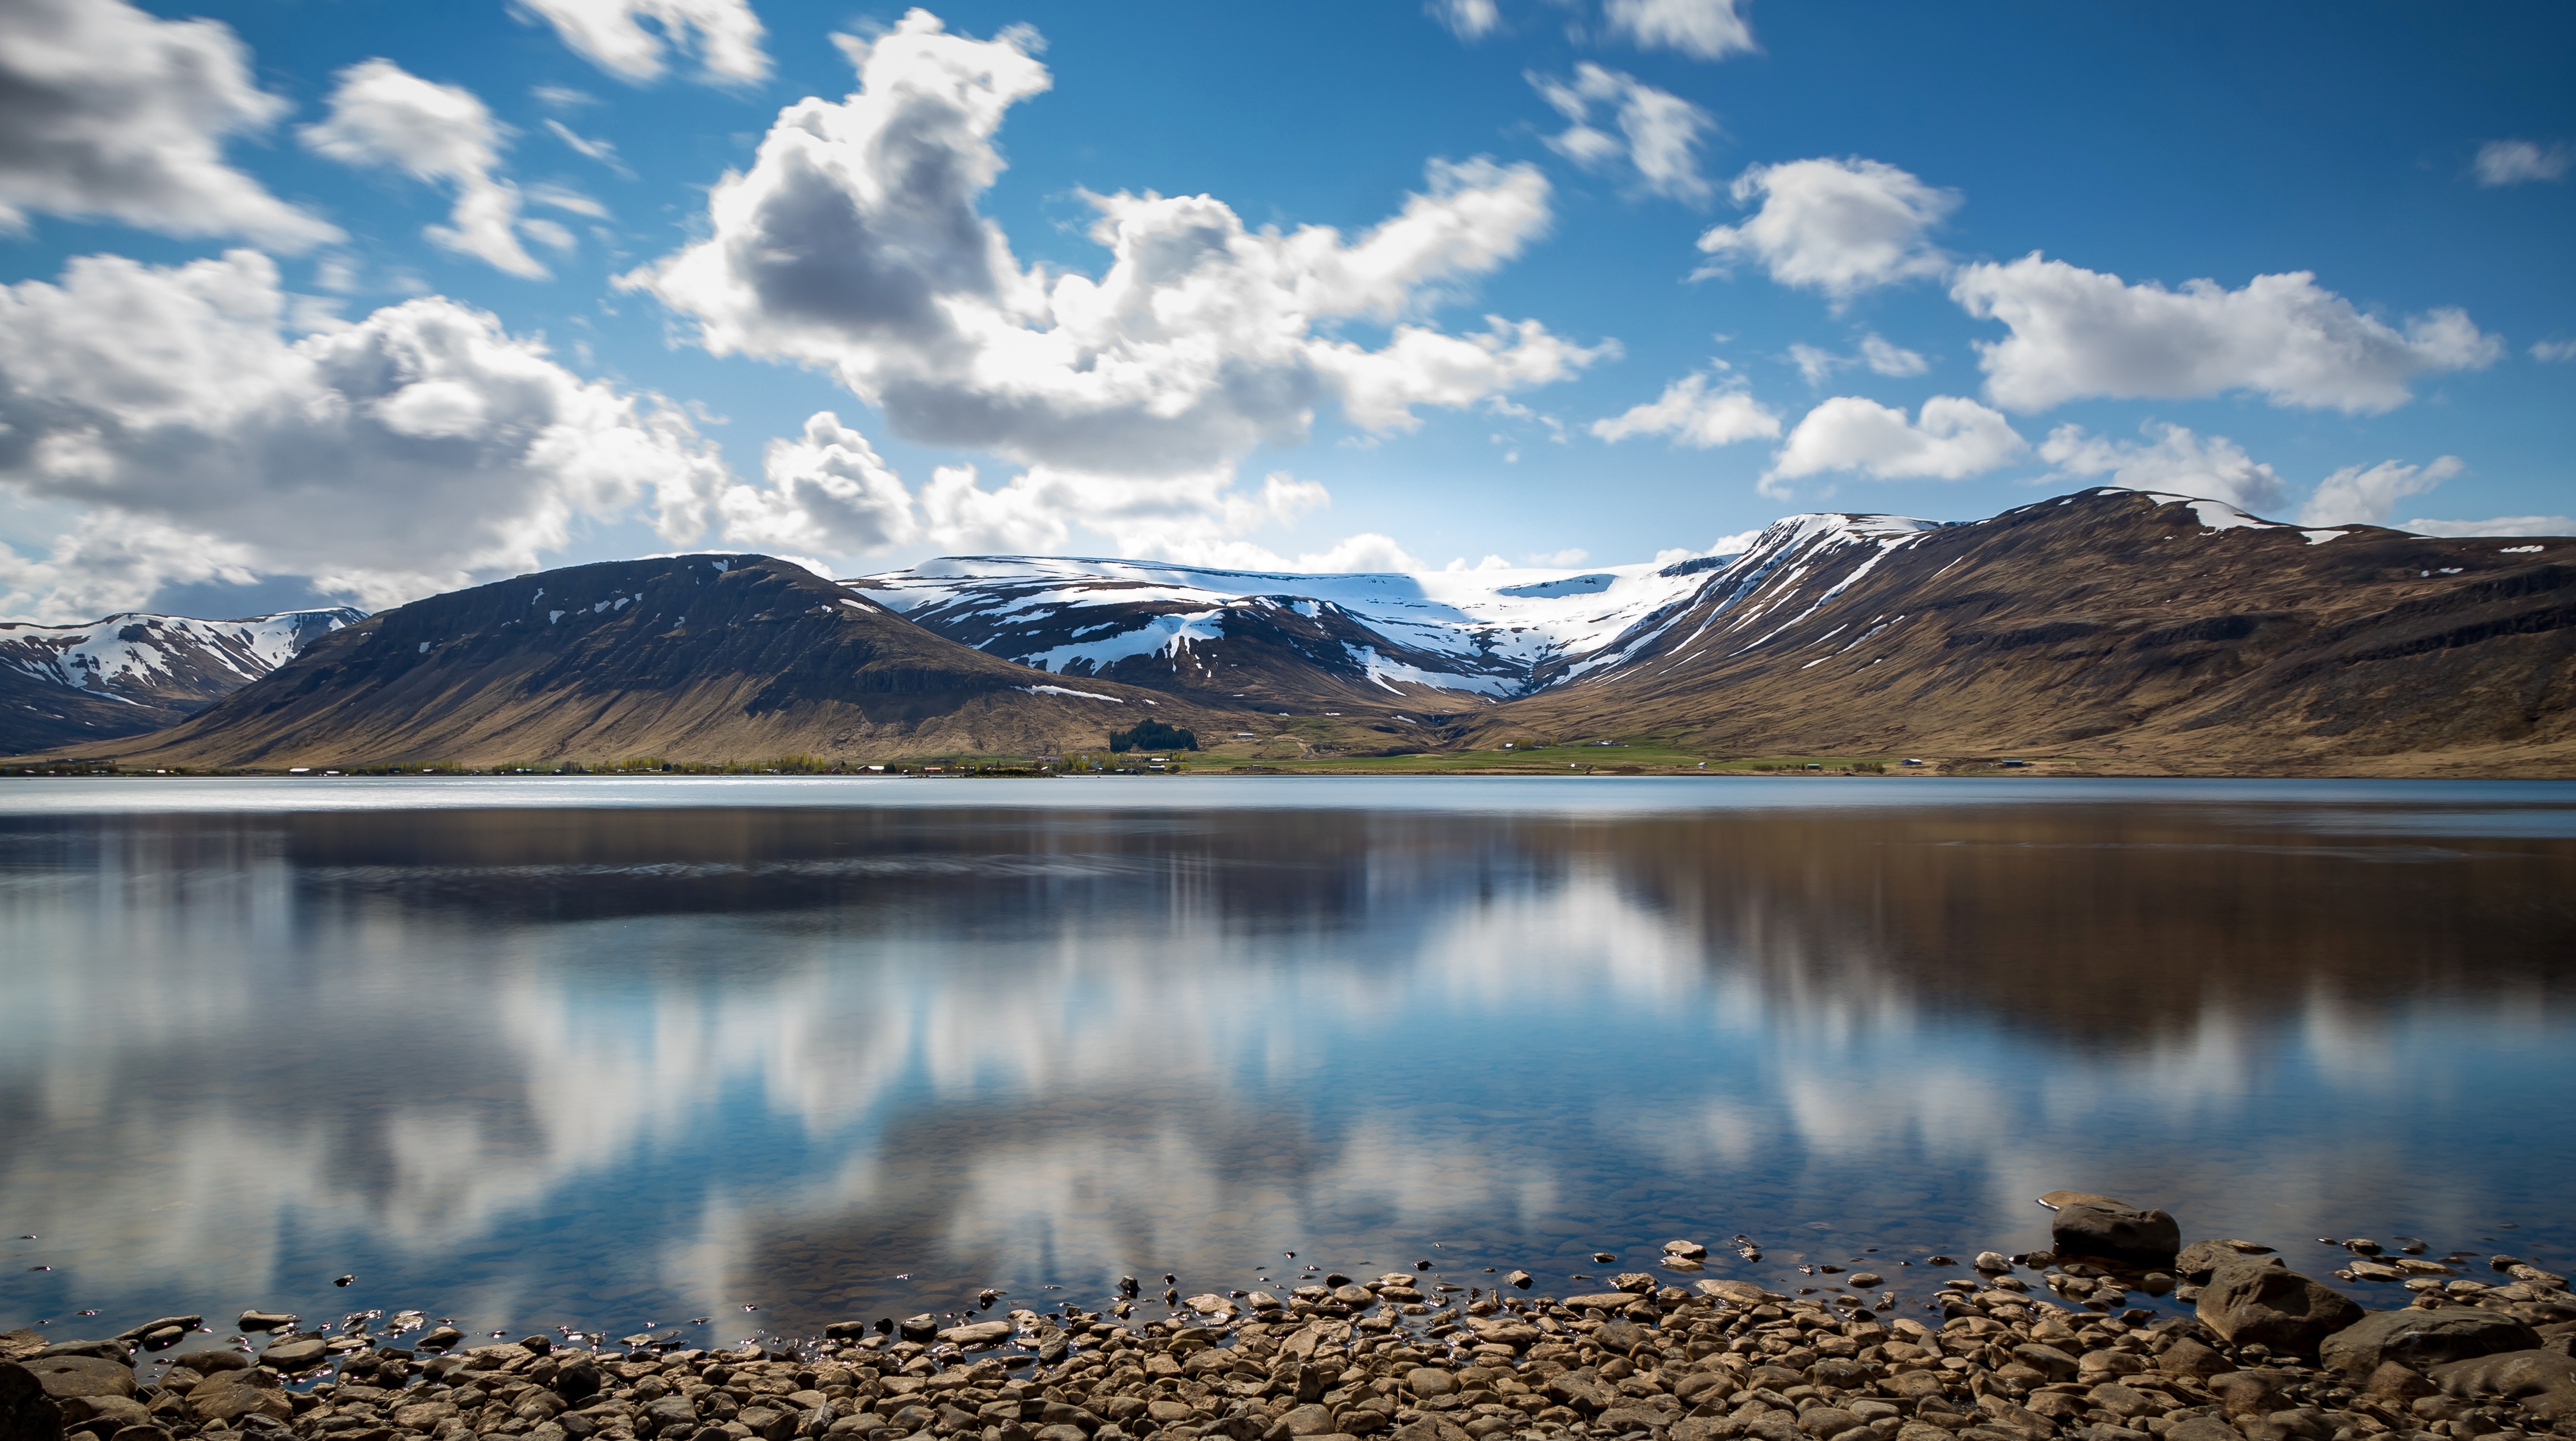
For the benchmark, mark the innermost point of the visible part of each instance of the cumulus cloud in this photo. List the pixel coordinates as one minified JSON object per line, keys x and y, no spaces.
{"x":2365,"y":495}
{"x":854,"y":244}
{"x":113,"y":114}
{"x":1696,"y":414}
{"x":382,"y":114}
{"x":612,"y":35}
{"x":2520,"y":162}
{"x":1467,"y":19}
{"x":2501,"y":525}
{"x":2078,"y":332}
{"x":1705,"y":29}
{"x":828,"y":490}
{"x":1952,"y":438}
{"x":416,"y":450}
{"x":1659,"y":132}
{"x":2173,"y":459}
{"x":1836,"y":226}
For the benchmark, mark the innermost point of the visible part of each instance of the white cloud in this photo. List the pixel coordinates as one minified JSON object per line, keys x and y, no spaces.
{"x":1694,"y":414}
{"x":601,"y":150}
{"x":2078,"y":332}
{"x":2553,"y":350}
{"x":1953,"y":438}
{"x":1882,"y":356}
{"x":1836,"y":226}
{"x":828,"y":490}
{"x":382,"y":114}
{"x":1467,"y":19}
{"x":2502,"y":525}
{"x":1662,"y":130}
{"x":2173,"y":460}
{"x":611,"y":34}
{"x":1887,"y":358}
{"x":2518,"y":162}
{"x":1706,"y":29}
{"x":113,"y":114}
{"x":419,"y":449}
{"x":2358,"y":495}
{"x":853,"y":244}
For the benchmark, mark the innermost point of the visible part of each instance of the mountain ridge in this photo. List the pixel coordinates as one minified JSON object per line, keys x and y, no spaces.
{"x":136,"y":671}
{"x":2112,"y":628}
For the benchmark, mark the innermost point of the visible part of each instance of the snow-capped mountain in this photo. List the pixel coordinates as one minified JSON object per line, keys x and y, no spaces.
{"x":1433,"y":639}
{"x":131,"y":673}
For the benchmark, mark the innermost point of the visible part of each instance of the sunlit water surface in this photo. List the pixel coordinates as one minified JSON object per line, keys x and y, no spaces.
{"x":612,"y":1054}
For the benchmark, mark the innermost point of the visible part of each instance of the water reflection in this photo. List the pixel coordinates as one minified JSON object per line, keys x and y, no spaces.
{"x":612,"y":1066}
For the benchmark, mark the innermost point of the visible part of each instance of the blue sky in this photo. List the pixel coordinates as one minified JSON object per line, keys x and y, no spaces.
{"x":362,"y":300}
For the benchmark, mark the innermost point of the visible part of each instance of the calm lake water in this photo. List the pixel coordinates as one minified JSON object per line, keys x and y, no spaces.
{"x":616,"y":1054}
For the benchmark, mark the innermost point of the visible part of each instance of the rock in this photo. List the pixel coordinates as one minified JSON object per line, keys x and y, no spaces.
{"x":107,"y":1350}
{"x":103,"y":1415}
{"x":1519,"y":1279}
{"x":977,"y":1335}
{"x":146,"y":1432}
{"x":1742,"y":1293}
{"x":2423,"y":1339}
{"x":1310,"y":1419}
{"x":2057,"y":1364}
{"x":1431,"y":1428}
{"x":1687,"y":1250}
{"x":2253,"y":1304}
{"x":207,"y":1363}
{"x":232,"y":1396}
{"x":2396,"y":1381}
{"x":2249,"y":1393}
{"x":24,"y":1342}
{"x":2113,"y":1232}
{"x":1622,"y":1337}
{"x":2543,"y":1381}
{"x":1867,"y":1278}
{"x":441,"y":1338}
{"x":26,"y":1412}
{"x":2201,"y":1428}
{"x":66,"y":1377}
{"x":182,"y":1324}
{"x":1993,"y":1263}
{"x":1429,"y":1381}
{"x":2188,"y":1357}
{"x":1600,"y":1301}
{"x":296,"y":1354}
{"x":922,"y":1329}
{"x":2060,"y":1200}
{"x":2195,"y":1261}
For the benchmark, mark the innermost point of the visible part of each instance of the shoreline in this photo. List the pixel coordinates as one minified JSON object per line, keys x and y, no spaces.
{"x":2004,"y":1348}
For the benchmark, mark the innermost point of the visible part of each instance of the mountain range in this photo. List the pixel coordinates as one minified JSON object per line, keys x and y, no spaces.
{"x":130,"y":674}
{"x":2111,"y":629}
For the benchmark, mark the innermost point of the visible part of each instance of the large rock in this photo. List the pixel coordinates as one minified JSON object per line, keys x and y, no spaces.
{"x":65,"y":1377}
{"x":2270,"y":1305}
{"x":2423,"y":1339}
{"x":232,"y":1395}
{"x":2109,"y":1231}
{"x":2544,"y":1382}
{"x":978,"y":1334}
{"x":297,"y":1354}
{"x":26,"y":1412}
{"x":2198,"y":1259}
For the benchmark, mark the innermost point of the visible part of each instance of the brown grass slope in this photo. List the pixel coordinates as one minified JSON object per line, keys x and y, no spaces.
{"x":2116,"y":627}
{"x":698,"y":658}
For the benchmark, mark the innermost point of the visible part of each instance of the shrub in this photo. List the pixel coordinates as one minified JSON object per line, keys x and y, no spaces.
{"x":1153,"y":735}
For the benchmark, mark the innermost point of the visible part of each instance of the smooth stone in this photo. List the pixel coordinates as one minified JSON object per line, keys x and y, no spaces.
{"x":2116,"y":1233}
{"x":2423,"y":1339}
{"x":2255,"y":1304}
{"x":297,"y":1353}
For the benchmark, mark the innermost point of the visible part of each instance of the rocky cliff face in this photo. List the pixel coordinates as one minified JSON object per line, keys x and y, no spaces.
{"x":134,"y":673}
{"x":697,"y":658}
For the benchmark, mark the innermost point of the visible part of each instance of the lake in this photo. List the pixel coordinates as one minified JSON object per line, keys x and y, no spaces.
{"x":617,"y":1055}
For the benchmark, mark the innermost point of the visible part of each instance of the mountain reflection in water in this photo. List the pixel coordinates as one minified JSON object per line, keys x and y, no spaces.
{"x":611,"y":1066}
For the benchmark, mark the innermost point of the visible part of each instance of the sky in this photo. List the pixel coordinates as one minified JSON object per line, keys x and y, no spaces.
{"x":355,"y":301}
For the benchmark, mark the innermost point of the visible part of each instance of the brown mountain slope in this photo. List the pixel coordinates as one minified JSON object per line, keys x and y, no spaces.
{"x":2133,"y":630}
{"x":700,"y":658}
